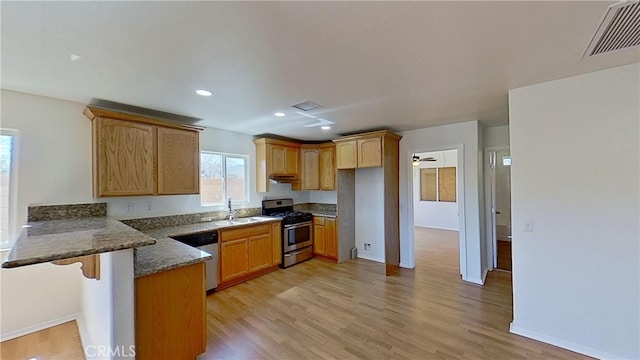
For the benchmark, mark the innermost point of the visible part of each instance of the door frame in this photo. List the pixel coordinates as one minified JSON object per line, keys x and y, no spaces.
{"x":462,"y":238}
{"x":489,"y":190}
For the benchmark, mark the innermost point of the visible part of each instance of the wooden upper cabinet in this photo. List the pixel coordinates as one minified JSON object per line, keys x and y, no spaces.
{"x":347,"y":154}
{"x":178,"y":161}
{"x":318,"y":167}
{"x":284,"y":160}
{"x":123,"y":155}
{"x":327,"y":166}
{"x":279,"y":158}
{"x":370,"y":152}
{"x":137,"y":155}
{"x":310,"y":176}
{"x":363,"y":150}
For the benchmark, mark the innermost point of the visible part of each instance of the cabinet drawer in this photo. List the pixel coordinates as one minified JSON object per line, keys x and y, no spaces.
{"x":318,"y":220}
{"x":243,"y":232}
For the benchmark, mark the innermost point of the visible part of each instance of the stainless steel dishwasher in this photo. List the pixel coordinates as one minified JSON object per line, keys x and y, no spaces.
{"x":205,"y":241}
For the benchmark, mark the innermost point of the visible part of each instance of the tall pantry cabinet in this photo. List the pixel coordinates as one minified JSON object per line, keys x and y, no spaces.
{"x":377,"y":149}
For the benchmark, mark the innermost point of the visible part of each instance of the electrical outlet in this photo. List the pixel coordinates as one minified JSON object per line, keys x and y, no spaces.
{"x":367,"y":247}
{"x":147,"y":206}
{"x":129,"y":208}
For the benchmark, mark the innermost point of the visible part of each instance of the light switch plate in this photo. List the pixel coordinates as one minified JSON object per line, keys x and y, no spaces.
{"x":528,"y":225}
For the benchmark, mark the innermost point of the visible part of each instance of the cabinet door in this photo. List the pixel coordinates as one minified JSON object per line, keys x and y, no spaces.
{"x":327,"y":168}
{"x":178,"y":161}
{"x":278,"y":162}
{"x":123,"y":158}
{"x":310,"y":169}
{"x":234,"y":260}
{"x":319,"y":242}
{"x":260,"y":253}
{"x":292,"y":160}
{"x":347,"y":154}
{"x":170,"y":314}
{"x":370,"y":152}
{"x":276,"y":242}
{"x":331,"y":239}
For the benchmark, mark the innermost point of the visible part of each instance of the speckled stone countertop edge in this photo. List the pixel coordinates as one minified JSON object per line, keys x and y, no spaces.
{"x":29,"y":249}
{"x":149,"y":262}
{"x":329,"y":214}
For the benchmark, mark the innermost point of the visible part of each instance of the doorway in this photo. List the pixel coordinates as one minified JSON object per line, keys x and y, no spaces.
{"x":435,"y":200}
{"x":500,"y":206}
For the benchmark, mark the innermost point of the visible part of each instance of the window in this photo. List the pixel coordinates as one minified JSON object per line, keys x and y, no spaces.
{"x":7,"y":187}
{"x":438,"y":184}
{"x":221,"y":176}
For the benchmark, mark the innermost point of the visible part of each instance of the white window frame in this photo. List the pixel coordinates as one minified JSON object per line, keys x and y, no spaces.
{"x":13,"y":191}
{"x":224,"y":176}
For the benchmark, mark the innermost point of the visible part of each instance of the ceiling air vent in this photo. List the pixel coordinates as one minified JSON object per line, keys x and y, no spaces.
{"x":619,"y":29}
{"x":307,"y":106}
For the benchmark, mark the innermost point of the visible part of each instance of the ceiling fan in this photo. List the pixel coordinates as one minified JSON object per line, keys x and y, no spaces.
{"x":417,"y":159}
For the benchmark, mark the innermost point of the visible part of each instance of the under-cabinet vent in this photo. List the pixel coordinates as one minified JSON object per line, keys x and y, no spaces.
{"x":307,"y":105}
{"x":619,"y":29}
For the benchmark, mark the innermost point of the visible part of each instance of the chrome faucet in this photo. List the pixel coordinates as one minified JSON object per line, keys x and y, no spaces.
{"x":232,"y":213}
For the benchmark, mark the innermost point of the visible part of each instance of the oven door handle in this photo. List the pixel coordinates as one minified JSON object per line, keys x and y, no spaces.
{"x":298,"y":225}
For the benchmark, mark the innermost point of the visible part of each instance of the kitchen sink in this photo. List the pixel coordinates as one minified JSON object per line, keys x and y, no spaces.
{"x":224,"y":222}
{"x":237,"y":221}
{"x":245,"y":220}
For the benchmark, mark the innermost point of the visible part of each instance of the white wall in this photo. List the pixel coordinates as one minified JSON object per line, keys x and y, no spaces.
{"x":465,"y":138}
{"x":575,"y":176}
{"x":38,"y":296}
{"x":323,"y":197}
{"x":435,"y":214}
{"x":495,"y":136}
{"x":108,"y":314}
{"x":369,"y":216}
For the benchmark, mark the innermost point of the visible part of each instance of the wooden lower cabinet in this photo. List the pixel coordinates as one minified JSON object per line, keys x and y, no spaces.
{"x":331,"y":238}
{"x":248,"y":252}
{"x":170,"y":314}
{"x":324,"y":237}
{"x":235,"y":259}
{"x":276,"y":240}
{"x":260,"y":254}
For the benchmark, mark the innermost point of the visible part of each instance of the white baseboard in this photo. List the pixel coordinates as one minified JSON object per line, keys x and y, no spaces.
{"x":474,"y":280}
{"x":37,"y":327}
{"x":563,"y":344}
{"x":405,"y":266}
{"x":370,"y":258}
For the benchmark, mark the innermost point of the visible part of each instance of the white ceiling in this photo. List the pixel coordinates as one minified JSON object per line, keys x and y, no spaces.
{"x":396,"y":65}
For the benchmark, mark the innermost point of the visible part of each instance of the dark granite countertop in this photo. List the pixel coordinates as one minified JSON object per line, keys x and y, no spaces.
{"x":165,"y":255}
{"x":45,"y":241}
{"x":169,"y":254}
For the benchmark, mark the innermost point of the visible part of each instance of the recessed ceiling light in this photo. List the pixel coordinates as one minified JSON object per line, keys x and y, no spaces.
{"x":279,"y":114}
{"x":325,"y":127}
{"x":203,"y":92}
{"x":74,"y":57}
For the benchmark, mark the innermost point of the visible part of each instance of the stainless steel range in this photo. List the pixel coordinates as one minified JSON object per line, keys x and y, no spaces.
{"x":297,"y":235}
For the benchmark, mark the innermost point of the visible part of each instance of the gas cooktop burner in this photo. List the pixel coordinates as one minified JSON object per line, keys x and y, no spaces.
{"x":283,"y":208}
{"x":288,"y":213}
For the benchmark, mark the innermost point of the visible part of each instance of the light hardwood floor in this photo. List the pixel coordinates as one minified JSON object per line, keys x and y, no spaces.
{"x":57,"y":342}
{"x":320,"y":310}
